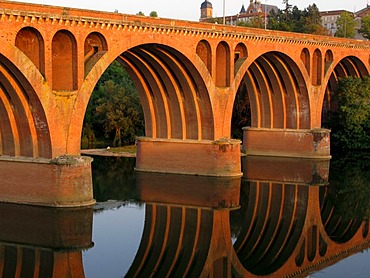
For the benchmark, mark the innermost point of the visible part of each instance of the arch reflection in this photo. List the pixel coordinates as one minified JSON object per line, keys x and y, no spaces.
{"x":43,"y":242}
{"x":271,"y":222}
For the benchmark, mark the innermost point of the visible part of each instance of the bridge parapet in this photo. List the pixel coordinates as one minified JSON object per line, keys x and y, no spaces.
{"x":15,"y":11}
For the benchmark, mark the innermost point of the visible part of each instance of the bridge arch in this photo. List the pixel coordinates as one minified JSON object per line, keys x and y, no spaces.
{"x":347,"y":66}
{"x":223,"y":65}
{"x":95,"y":46}
{"x":305,"y":58}
{"x":24,"y":129}
{"x":173,"y":95}
{"x":31,"y":43}
{"x":277,"y":92}
{"x":204,"y":52}
{"x":64,"y":62}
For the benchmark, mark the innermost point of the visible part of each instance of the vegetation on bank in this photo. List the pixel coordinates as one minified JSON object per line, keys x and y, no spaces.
{"x":349,"y":116}
{"x":114,"y":116}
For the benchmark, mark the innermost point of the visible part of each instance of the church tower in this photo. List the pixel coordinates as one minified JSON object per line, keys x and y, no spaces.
{"x":206,"y":10}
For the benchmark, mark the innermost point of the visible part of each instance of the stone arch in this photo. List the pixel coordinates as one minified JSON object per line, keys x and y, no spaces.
{"x":240,"y":52}
{"x":24,"y":129}
{"x":277,"y":93}
{"x":31,"y":43}
{"x":223,"y":65}
{"x":64,"y":62}
{"x":174,"y":97}
{"x":305,"y":58}
{"x":317,"y":68}
{"x":95,"y":46}
{"x":329,"y":57}
{"x":240,"y":55}
{"x":205,"y":54}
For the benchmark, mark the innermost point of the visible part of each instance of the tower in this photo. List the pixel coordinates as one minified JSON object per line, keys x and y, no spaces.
{"x":206,"y":10}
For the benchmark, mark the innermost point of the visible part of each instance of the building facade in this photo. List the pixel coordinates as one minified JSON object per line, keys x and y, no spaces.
{"x":254,"y":10}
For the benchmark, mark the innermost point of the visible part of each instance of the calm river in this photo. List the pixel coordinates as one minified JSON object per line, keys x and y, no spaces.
{"x":284,"y":218}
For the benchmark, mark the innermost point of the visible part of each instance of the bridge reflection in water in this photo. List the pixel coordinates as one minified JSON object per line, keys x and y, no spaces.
{"x":43,"y":242}
{"x":280,"y":219}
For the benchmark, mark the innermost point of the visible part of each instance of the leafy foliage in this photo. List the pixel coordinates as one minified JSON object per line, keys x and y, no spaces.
{"x":365,"y":27}
{"x":114,"y":112}
{"x":294,"y":20}
{"x":350,"y":122}
{"x":255,"y":22}
{"x":345,"y":25}
{"x":153,"y":14}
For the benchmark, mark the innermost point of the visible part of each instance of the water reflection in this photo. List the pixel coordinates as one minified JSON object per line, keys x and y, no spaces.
{"x":43,"y":242}
{"x":283,"y":218}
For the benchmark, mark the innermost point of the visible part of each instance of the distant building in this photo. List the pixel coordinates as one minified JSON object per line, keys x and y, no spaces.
{"x":329,"y":20}
{"x":358,"y":17}
{"x":206,"y":10}
{"x":255,"y":9}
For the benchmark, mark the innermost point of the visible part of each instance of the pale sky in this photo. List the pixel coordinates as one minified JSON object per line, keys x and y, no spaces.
{"x":190,"y":9}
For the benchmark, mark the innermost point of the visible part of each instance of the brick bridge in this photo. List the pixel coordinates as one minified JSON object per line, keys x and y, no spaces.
{"x":187,"y":75}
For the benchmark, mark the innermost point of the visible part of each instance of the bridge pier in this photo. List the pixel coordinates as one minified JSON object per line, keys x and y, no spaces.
{"x":303,"y":143}
{"x":65,"y":181}
{"x":190,"y":157}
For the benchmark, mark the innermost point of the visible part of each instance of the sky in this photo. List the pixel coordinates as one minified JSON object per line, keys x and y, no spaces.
{"x":190,"y":9}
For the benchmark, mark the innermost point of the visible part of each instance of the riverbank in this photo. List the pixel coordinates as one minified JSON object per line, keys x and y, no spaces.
{"x":127,"y":151}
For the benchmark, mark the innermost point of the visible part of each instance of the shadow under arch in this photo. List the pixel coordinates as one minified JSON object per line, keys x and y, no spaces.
{"x":175,"y":100}
{"x":24,"y":128}
{"x":30,"y":42}
{"x":277,"y":93}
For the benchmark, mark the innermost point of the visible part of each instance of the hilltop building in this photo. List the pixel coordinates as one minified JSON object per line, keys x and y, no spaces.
{"x":257,"y":9}
{"x":206,"y":10}
{"x":254,"y":9}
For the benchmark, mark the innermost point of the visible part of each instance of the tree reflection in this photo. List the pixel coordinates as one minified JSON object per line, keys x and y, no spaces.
{"x":114,"y":179}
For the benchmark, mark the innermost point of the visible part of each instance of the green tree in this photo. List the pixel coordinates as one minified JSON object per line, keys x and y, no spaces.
{"x":114,"y":112}
{"x":311,"y":22}
{"x":365,"y":27}
{"x":345,"y":26}
{"x":350,"y":122}
{"x":153,"y":14}
{"x":140,"y":13}
{"x":255,"y":22}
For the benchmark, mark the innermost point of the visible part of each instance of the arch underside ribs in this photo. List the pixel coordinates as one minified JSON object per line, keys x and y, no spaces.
{"x":23,"y":127}
{"x":272,"y":225}
{"x":277,"y":94}
{"x":174,"y":98}
{"x":175,"y":242}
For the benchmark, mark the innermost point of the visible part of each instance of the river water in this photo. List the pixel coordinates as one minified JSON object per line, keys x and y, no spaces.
{"x":283,"y":218}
